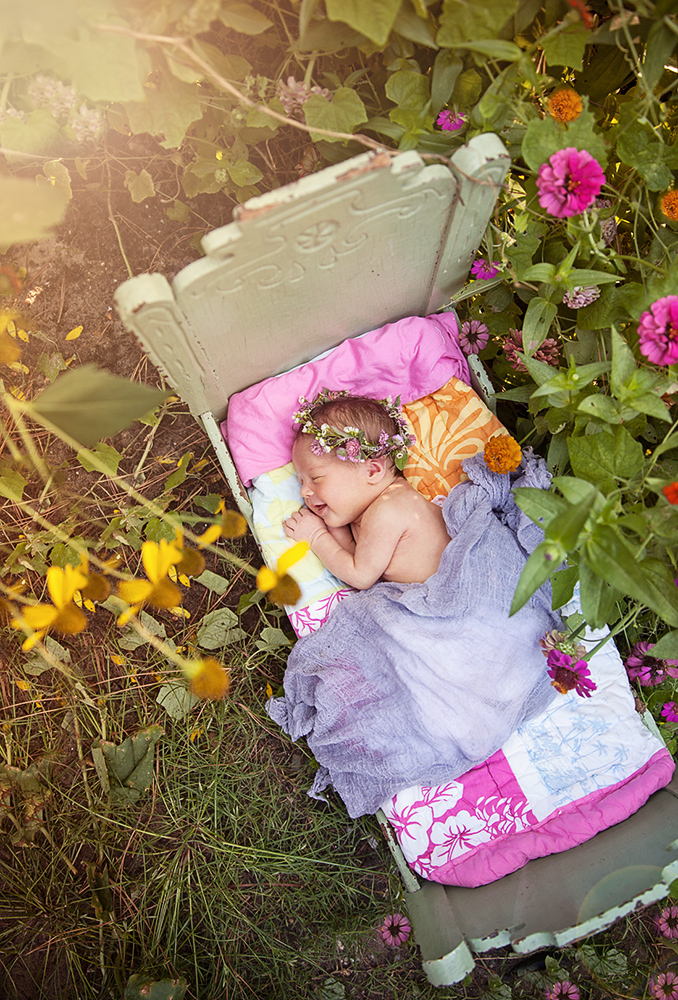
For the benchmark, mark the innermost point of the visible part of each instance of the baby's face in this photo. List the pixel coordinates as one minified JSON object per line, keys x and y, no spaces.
{"x":332,"y":489}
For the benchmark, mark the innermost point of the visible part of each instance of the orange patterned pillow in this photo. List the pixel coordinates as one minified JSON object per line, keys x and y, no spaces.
{"x":450,"y":426}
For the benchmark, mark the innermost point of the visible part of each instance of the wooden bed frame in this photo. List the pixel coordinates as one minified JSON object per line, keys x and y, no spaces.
{"x":357,"y":245}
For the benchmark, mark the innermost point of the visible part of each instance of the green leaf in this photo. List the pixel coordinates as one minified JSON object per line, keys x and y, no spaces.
{"x":157,"y":528}
{"x":650,"y":403}
{"x":178,"y":211}
{"x":56,"y":174}
{"x":130,"y":765}
{"x":51,"y":364}
{"x":565,"y":528}
{"x":212,"y":581}
{"x":374,"y":19}
{"x":88,"y":404}
{"x":608,"y":555}
{"x":12,"y":483}
{"x":612,"y":964}
{"x":408,"y":89}
{"x":521,"y":253}
{"x":567,"y":47}
{"x":179,"y":476}
{"x":219,"y":628}
{"x":597,"y":597}
{"x":539,"y":505}
{"x":539,"y":272}
{"x":177,"y":700}
{"x":243,"y":173}
{"x":562,"y":585}
{"x":667,"y":647}
{"x":494,"y":48}
{"x":243,"y":18}
{"x":543,"y":562}
{"x":574,"y":490}
{"x":34,"y":210}
{"x":109,"y":455}
{"x":602,"y":407}
{"x":410,"y":25}
{"x":544,"y":138}
{"x":140,"y":185}
{"x":537,"y":323}
{"x":602,"y":459}
{"x":460,"y":21}
{"x":167,"y":110}
{"x":342,"y":114}
{"x":623,"y":362}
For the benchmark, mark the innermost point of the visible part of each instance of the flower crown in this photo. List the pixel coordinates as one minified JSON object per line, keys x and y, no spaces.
{"x":350,"y":444}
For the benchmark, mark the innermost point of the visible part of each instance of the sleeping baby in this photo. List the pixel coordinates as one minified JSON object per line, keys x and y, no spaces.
{"x":362,"y":518}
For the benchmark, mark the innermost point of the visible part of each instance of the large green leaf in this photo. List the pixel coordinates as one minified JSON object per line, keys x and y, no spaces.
{"x":604,"y":458}
{"x":545,"y":137}
{"x":567,"y":526}
{"x":597,"y":597}
{"x":462,"y":22}
{"x":408,"y":89}
{"x":167,"y":111}
{"x":88,"y":404}
{"x":29,"y":211}
{"x":539,"y":505}
{"x":373,"y":19}
{"x":623,"y":362}
{"x":243,"y":17}
{"x":608,"y":555}
{"x":567,"y":47}
{"x":544,"y":561}
{"x":537,"y":323}
{"x":667,"y":647}
{"x":342,"y":114}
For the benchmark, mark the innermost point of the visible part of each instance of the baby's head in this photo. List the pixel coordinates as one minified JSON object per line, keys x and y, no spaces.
{"x":355,"y":428}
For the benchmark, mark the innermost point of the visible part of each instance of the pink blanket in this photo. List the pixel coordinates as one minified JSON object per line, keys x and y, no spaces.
{"x":422,"y":354}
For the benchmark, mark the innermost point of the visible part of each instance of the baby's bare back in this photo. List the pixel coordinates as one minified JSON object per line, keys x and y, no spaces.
{"x":424,"y":536}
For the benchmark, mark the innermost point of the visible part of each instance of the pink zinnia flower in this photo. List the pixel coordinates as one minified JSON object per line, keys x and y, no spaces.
{"x":474,"y":336}
{"x":448,"y":121}
{"x":569,"y":182}
{"x":664,"y":986}
{"x":649,"y":670}
{"x":568,"y":676}
{"x":670,"y":713}
{"x":667,"y":922}
{"x":485,"y":269}
{"x":395,"y":930}
{"x":548,"y":351}
{"x":658,"y":331}
{"x":563,"y":990}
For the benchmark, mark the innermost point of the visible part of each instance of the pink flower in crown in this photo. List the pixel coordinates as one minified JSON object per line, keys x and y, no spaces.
{"x":448,"y":121}
{"x":649,"y":670}
{"x":658,"y":331}
{"x":569,"y":182}
{"x":352,"y":448}
{"x":568,"y":676}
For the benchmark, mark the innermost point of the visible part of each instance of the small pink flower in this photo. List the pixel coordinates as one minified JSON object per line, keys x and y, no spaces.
{"x":658,"y":331}
{"x":670,"y":713}
{"x":395,"y":930}
{"x":569,"y":182}
{"x":580,"y":297}
{"x":448,"y":121}
{"x":352,"y":447}
{"x":568,"y":676}
{"x":563,"y":990}
{"x":667,"y":922}
{"x":649,"y":670}
{"x":485,"y":269}
{"x":664,"y":986}
{"x":474,"y":336}
{"x":548,"y":351}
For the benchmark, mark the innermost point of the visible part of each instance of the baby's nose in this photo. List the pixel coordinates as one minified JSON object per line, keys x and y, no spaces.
{"x":306,"y":491}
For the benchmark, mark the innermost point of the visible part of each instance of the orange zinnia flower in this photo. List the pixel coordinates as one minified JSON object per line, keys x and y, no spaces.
{"x":502,"y":454}
{"x":208,"y":678}
{"x":671,"y":492}
{"x":565,"y":104}
{"x":669,"y":205}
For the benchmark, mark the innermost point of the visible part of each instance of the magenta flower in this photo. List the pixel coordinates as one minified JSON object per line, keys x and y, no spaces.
{"x":448,"y":121}
{"x":649,"y":670}
{"x":664,"y":986}
{"x":395,"y":930}
{"x":563,"y":990}
{"x":667,"y":922}
{"x":485,"y":269}
{"x":474,"y":336}
{"x":569,"y":182}
{"x":670,"y":713}
{"x":568,"y":676}
{"x":658,"y":331}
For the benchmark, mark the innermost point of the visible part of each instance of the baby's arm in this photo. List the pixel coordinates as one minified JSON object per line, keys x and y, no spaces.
{"x":371,"y":554}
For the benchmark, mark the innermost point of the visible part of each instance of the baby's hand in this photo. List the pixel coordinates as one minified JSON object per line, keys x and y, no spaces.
{"x":304,"y":526}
